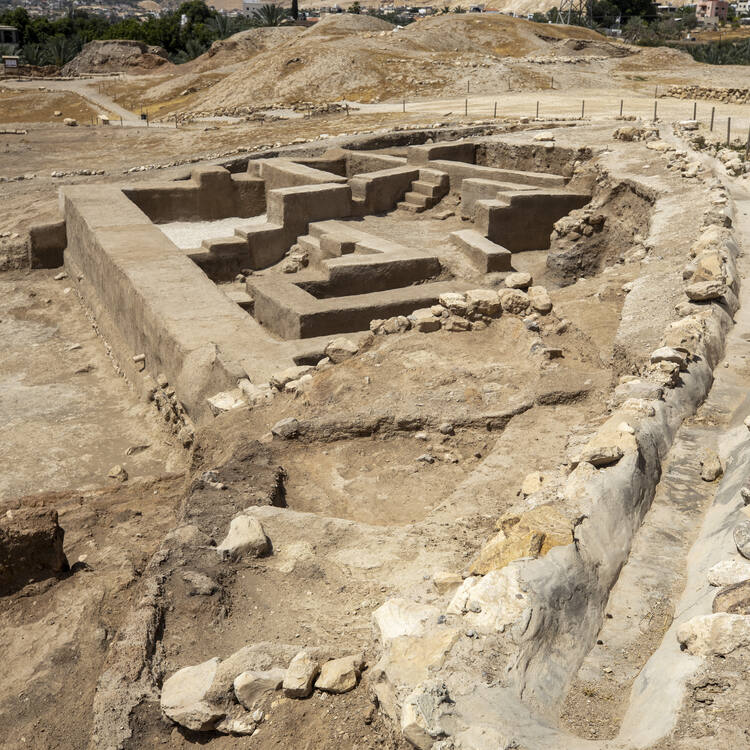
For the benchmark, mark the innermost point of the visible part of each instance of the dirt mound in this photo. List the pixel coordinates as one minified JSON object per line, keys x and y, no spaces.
{"x":485,"y":34}
{"x":338,"y":59}
{"x":115,"y":55}
{"x":591,"y":47}
{"x":347,"y":23}
{"x":243,"y":46}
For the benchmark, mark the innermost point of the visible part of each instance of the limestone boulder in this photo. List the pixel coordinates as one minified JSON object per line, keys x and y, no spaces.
{"x":714,"y":635}
{"x":246,"y":537}
{"x":340,"y":675}
{"x":424,"y":320}
{"x":709,"y":266}
{"x":184,"y":697}
{"x":286,"y":429}
{"x":734,"y":599}
{"x":492,"y":602}
{"x":514,"y":301}
{"x":199,"y":584}
{"x":540,"y":299}
{"x":518,"y":280}
{"x":420,"y":715}
{"x":728,"y":572}
{"x":252,"y":686}
{"x":530,"y":534}
{"x":226,"y":401}
{"x":741,"y":535}
{"x":341,"y":349}
{"x":280,"y":379}
{"x":455,"y":302}
{"x":711,"y":468}
{"x":669,"y":354}
{"x":611,"y":442}
{"x":483,"y":302}
{"x":704,"y":291}
{"x":300,"y":676}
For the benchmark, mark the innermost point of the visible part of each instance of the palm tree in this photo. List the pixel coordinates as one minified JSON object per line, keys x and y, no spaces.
{"x":58,"y":50}
{"x":269,"y":15}
{"x":221,"y":25}
{"x":33,"y":54}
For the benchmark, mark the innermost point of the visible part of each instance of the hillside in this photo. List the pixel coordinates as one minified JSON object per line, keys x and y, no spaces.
{"x":365,"y":59}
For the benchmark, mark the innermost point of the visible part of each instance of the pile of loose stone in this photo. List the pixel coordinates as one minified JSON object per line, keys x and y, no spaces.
{"x":729,"y":95}
{"x":554,"y":59}
{"x":475,"y":309}
{"x":229,"y":696}
{"x":731,"y":158}
{"x":292,"y":380}
{"x":677,"y":159}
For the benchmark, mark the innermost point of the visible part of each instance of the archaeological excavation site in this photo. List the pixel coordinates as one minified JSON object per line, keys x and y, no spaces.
{"x":430,"y":437}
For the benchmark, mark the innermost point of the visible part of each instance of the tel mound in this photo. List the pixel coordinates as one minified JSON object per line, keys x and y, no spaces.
{"x":116,"y":55}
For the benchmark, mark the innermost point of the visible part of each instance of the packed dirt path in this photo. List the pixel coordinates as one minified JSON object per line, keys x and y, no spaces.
{"x":597,"y":104}
{"x":87,"y":88}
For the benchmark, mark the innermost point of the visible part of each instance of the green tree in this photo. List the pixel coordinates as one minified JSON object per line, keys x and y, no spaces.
{"x":221,"y":25}
{"x":635,"y":8}
{"x":604,"y":13}
{"x":634,"y":29}
{"x":269,"y":15}
{"x":355,"y":8}
{"x":33,"y":54}
{"x":58,"y":50}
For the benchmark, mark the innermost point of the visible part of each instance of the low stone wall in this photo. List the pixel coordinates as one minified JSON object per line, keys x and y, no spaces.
{"x":711,"y":93}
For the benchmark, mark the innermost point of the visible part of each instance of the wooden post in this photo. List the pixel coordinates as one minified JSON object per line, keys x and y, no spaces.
{"x":404,"y":105}
{"x":495,"y":112}
{"x":552,"y":83}
{"x":729,"y":129}
{"x":656,"y":92}
{"x":466,"y":107}
{"x":620,"y":107}
{"x":713,"y":111}
{"x":467,"y":86}
{"x":347,"y":109}
{"x":583,"y":108}
{"x":695,"y":109}
{"x":537,"y":110}
{"x":655,"y":103}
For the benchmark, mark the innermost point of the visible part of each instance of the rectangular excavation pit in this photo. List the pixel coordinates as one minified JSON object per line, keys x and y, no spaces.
{"x":292,"y":313}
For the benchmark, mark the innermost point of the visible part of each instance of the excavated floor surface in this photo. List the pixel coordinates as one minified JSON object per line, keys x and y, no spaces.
{"x":364,"y":518}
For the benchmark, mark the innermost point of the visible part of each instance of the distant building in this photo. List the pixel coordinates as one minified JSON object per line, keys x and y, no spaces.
{"x":743,"y":7}
{"x":250,"y":6}
{"x":711,"y":11}
{"x":9,"y":35}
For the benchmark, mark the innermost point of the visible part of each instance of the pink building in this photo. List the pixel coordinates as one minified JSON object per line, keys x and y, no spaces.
{"x":711,"y":11}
